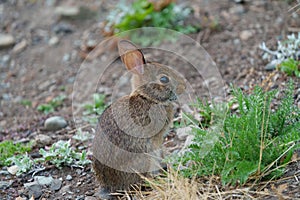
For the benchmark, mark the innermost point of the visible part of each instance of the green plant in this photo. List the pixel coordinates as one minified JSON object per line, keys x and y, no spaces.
{"x":251,"y":143}
{"x":52,"y":105}
{"x":92,"y":111}
{"x":141,"y":13}
{"x":26,"y":102}
{"x":8,"y":149}
{"x":23,"y":162}
{"x":61,"y":153}
{"x":290,"y":67}
{"x":286,"y":58}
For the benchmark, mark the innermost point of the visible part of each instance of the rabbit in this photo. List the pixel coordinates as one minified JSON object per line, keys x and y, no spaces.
{"x":129,"y":134}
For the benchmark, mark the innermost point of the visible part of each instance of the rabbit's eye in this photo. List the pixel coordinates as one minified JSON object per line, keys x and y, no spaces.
{"x":164,"y":79}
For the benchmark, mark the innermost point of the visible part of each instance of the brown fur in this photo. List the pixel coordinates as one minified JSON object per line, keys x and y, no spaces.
{"x":135,"y":123}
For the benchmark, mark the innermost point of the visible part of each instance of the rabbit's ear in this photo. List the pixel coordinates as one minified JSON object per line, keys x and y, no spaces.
{"x":131,"y":56}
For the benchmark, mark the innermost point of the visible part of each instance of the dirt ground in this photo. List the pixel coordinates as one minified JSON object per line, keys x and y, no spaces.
{"x":44,"y":69}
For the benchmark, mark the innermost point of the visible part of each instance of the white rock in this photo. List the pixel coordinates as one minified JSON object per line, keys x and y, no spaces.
{"x":20,"y":46}
{"x":13,"y":169}
{"x":53,"y":41}
{"x":246,"y":34}
{"x":6,"y":40}
{"x":67,"y":11}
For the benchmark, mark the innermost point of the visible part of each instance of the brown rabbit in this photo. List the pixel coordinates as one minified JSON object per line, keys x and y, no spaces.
{"x":130,"y":131}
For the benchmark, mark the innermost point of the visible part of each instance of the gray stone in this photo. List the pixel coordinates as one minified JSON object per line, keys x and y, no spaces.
{"x":65,"y":189}
{"x":43,"y":140}
{"x":56,"y":184}
{"x":55,"y":123}
{"x":43,"y":180}
{"x":66,"y":57}
{"x":272,"y":65}
{"x":69,"y":177}
{"x":6,"y":40}
{"x":34,"y":189}
{"x":5,"y":59}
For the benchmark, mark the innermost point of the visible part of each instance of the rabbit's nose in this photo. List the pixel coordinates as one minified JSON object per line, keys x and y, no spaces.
{"x":180,"y":88}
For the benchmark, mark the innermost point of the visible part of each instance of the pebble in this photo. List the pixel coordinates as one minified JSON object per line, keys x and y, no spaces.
{"x":55,"y":123}
{"x":81,"y":197}
{"x":238,"y":9}
{"x":63,"y":28}
{"x":5,"y":59}
{"x":53,"y":41}
{"x":43,"y":140}
{"x":67,"y":11}
{"x":246,"y":34}
{"x":20,"y":47}
{"x":20,"y":198}
{"x":34,"y":189}
{"x":90,"y":198}
{"x":66,"y":57}
{"x":69,"y":177}
{"x":65,"y":189}
{"x":78,"y":171}
{"x":13,"y":169}
{"x":43,"y":180}
{"x":56,"y":185}
{"x":272,"y":65}
{"x":6,"y":40}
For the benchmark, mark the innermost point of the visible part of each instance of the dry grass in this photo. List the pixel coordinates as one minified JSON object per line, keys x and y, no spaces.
{"x":173,"y":186}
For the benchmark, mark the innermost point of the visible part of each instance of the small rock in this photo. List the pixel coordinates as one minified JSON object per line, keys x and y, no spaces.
{"x":6,"y":40}
{"x":53,"y":41}
{"x":34,"y":189}
{"x":56,"y":184}
{"x":238,"y":9}
{"x":13,"y":169}
{"x":63,"y":28}
{"x":69,"y":177}
{"x":246,"y":34}
{"x":43,"y":180}
{"x":5,"y":184}
{"x":90,"y":198}
{"x":65,"y":189}
{"x":80,"y":197}
{"x":19,"y":47}
{"x":78,"y":171}
{"x":43,"y":140}
{"x":5,"y":59}
{"x":66,"y":57}
{"x":67,"y":11}
{"x":272,"y":65}
{"x":20,"y":198}
{"x":55,"y":123}
{"x":236,"y":41}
